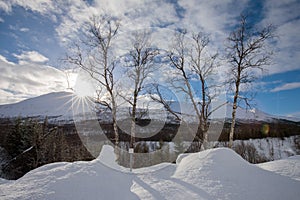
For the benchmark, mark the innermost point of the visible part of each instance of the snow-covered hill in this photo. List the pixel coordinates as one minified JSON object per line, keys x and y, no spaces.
{"x":60,"y":104}
{"x":212,"y":174}
{"x":52,"y":104}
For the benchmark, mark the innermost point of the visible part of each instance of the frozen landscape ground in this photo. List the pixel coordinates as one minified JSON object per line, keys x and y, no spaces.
{"x":212,"y":174}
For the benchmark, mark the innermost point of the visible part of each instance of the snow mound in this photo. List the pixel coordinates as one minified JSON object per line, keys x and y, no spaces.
{"x":78,"y":180}
{"x":211,"y":174}
{"x":289,"y":167}
{"x":108,"y":158}
{"x":225,"y":175}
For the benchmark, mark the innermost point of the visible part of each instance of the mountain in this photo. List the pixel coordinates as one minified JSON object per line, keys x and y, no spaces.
{"x":52,"y":104}
{"x":64,"y":105}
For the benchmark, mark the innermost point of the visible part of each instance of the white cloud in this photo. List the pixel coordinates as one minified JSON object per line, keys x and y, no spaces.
{"x":21,"y":81}
{"x":31,"y":56}
{"x":132,"y":13}
{"x":24,"y":29}
{"x":214,"y":17}
{"x":5,"y":6}
{"x":287,"y":86}
{"x":41,"y":6}
{"x":1,"y":20}
{"x":3,"y":59}
{"x":284,"y":15}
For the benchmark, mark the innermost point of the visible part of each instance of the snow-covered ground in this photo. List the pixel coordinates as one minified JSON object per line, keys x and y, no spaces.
{"x":212,"y":174}
{"x":289,"y":167}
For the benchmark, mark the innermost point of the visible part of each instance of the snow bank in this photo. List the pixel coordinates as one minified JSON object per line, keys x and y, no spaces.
{"x":225,"y":175}
{"x":289,"y":167}
{"x":212,"y":174}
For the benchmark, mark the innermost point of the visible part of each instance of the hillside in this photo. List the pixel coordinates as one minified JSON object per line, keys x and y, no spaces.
{"x":53,"y":104}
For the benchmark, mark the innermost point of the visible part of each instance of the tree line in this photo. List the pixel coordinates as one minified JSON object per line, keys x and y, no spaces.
{"x":30,"y":143}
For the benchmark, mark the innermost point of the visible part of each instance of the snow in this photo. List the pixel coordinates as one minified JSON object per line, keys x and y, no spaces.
{"x":248,"y":114}
{"x":289,"y":167}
{"x":273,"y":148}
{"x":61,"y":105}
{"x":268,"y":148}
{"x":52,"y":104}
{"x":212,"y":174}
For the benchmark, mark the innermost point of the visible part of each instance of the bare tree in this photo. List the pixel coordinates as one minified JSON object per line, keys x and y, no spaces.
{"x":157,"y":95}
{"x":92,"y":53}
{"x":247,"y":52}
{"x":192,"y":61}
{"x":140,"y":64}
{"x":203,"y":65}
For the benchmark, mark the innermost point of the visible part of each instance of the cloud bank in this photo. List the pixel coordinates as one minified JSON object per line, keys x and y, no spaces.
{"x":287,"y":86}
{"x":28,"y":79}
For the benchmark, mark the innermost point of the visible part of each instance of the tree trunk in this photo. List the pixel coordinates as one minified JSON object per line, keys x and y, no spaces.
{"x":234,"y":107}
{"x":205,"y":141}
{"x":232,"y":125}
{"x":203,"y":121}
{"x":132,"y":139}
{"x":115,"y":127}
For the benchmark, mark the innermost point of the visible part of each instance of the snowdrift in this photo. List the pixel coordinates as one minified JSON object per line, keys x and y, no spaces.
{"x":289,"y":167}
{"x":212,"y":174}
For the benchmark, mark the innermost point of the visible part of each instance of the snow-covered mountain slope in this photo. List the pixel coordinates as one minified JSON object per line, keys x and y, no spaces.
{"x":252,"y":114}
{"x":60,"y":104}
{"x":213,"y":174}
{"x":52,"y":104}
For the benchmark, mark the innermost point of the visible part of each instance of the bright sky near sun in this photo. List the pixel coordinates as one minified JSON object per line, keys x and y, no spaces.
{"x":34,"y":34}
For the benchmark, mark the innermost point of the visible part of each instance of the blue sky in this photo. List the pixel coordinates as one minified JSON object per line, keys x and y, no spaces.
{"x":35,"y":34}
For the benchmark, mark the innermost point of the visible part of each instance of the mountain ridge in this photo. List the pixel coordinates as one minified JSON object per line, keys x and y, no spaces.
{"x":60,"y":106}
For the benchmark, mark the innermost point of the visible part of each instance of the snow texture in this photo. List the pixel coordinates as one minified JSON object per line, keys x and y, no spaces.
{"x":289,"y":167}
{"x":212,"y":174}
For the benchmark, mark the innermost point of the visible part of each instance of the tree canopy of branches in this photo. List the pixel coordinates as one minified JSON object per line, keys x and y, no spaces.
{"x":140,"y":64}
{"x":192,"y":62}
{"x":92,"y":53}
{"x":247,"y":52}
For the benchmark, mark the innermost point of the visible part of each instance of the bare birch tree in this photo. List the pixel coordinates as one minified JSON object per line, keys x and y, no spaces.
{"x":192,"y":61}
{"x":92,"y":53}
{"x":247,"y":52}
{"x":140,"y":64}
